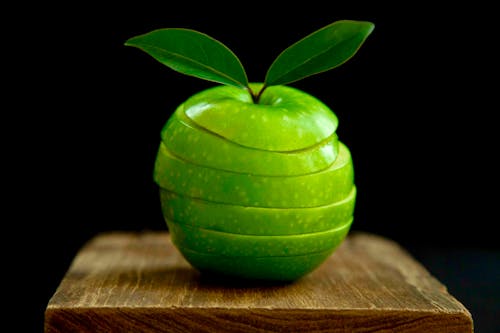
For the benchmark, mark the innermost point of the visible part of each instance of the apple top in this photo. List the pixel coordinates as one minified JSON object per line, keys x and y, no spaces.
{"x":285,"y":119}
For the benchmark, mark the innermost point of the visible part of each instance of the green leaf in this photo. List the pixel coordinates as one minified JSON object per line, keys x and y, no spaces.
{"x":193,"y":53}
{"x":322,"y":50}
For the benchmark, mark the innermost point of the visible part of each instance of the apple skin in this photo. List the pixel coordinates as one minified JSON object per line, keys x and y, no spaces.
{"x":257,"y":268}
{"x":229,"y":214}
{"x":256,"y":220}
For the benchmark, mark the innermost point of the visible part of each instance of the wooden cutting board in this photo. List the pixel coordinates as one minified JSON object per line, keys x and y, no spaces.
{"x":138,"y":282}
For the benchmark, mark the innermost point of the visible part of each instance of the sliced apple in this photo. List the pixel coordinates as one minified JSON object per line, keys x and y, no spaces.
{"x":269,"y":268}
{"x":195,"y":144}
{"x":311,"y":190}
{"x":285,"y":119}
{"x":255,"y":220}
{"x":251,"y":179}
{"x":236,"y":245}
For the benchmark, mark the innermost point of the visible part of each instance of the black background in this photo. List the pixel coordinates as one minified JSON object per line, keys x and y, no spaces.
{"x":415,"y":107}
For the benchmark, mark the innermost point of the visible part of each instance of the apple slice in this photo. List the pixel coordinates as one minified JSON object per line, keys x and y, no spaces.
{"x":236,"y":245}
{"x":255,"y":220}
{"x":269,"y":268}
{"x":285,"y":119}
{"x":311,"y":190}
{"x":197,"y":145}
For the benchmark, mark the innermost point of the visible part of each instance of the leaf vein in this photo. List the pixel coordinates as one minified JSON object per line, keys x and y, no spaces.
{"x":210,"y":68}
{"x":310,"y":59}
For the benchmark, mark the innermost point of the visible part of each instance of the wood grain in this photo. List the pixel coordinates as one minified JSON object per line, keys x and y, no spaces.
{"x":138,"y":282}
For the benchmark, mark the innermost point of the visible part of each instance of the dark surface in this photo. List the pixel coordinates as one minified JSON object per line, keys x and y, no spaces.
{"x":472,"y":275}
{"x":415,"y":107}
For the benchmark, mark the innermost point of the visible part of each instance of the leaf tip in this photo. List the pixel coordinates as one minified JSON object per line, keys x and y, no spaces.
{"x":370,"y":27}
{"x":130,"y":42}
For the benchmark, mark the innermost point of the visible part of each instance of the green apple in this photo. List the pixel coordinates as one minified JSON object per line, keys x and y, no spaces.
{"x":272,"y":211}
{"x":253,"y":179}
{"x":255,"y":220}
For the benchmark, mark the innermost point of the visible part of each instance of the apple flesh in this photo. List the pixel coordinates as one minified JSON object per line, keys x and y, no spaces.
{"x":255,"y":190}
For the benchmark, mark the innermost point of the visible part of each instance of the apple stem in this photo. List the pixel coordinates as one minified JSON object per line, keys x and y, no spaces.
{"x":256,"y":97}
